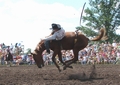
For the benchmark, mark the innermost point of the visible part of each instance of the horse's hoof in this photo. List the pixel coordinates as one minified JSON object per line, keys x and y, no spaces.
{"x":64,"y":68}
{"x":59,"y":70}
{"x":70,"y":67}
{"x":42,"y":65}
{"x":39,"y":66}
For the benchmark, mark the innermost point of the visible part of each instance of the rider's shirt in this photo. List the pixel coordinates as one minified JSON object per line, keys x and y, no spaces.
{"x":58,"y":35}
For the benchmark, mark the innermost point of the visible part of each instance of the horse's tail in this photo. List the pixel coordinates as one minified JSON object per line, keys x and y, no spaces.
{"x":101,"y":36}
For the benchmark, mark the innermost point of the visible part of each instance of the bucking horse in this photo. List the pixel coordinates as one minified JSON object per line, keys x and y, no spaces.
{"x":75,"y":41}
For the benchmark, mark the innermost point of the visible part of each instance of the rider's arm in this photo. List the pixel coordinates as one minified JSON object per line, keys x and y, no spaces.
{"x":51,"y":37}
{"x":51,"y":33}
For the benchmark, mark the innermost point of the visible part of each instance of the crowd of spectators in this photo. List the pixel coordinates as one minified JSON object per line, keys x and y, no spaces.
{"x":18,"y":55}
{"x":104,"y":53}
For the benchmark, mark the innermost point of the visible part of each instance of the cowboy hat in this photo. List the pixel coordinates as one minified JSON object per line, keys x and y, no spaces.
{"x":55,"y":26}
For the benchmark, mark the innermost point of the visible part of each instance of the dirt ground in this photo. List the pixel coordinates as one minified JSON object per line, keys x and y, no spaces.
{"x":49,"y":75}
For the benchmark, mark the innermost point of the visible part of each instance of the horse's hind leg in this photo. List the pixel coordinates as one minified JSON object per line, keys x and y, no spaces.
{"x":53,"y":59}
{"x":60,"y":58}
{"x":72,"y":60}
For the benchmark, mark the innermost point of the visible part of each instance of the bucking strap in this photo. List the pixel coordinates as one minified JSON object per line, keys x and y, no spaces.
{"x":76,"y":35}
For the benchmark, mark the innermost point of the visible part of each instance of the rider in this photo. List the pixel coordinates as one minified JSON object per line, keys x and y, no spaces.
{"x":57,"y":34}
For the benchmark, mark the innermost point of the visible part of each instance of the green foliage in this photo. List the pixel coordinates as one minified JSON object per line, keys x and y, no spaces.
{"x":102,"y":13}
{"x":28,"y":51}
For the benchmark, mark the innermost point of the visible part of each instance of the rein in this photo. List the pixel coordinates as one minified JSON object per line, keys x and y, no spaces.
{"x":81,"y":16}
{"x":76,"y":32}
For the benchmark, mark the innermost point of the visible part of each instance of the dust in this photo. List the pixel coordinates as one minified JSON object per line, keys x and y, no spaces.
{"x":93,"y":73}
{"x":83,"y":76}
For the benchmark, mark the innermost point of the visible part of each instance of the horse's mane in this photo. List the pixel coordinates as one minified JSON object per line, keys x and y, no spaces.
{"x":39,"y":46}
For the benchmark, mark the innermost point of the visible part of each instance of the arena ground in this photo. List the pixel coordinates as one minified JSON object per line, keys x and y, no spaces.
{"x":108,"y":74}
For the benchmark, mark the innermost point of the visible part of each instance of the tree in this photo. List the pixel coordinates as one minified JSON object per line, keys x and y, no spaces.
{"x":102,"y":13}
{"x":28,"y":51}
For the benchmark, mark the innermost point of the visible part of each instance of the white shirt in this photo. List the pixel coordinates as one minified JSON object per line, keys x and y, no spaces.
{"x":58,"y":35}
{"x":114,"y":44}
{"x":84,"y":58}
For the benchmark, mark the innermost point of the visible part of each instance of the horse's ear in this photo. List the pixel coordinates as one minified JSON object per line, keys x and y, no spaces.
{"x":33,"y":53}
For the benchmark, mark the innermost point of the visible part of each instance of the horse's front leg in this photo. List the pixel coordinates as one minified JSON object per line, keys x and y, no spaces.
{"x":54,"y":61}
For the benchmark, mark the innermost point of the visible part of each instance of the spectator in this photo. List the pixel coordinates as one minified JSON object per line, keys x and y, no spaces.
{"x":31,"y":59}
{"x":50,"y":62}
{"x":9,"y":58}
{"x":114,"y":44}
{"x":3,"y":59}
{"x":45,"y":58}
{"x":18,"y":60}
{"x":63,"y":57}
{"x":84,"y":59}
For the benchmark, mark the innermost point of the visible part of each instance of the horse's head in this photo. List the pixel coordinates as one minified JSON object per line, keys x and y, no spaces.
{"x":38,"y":59}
